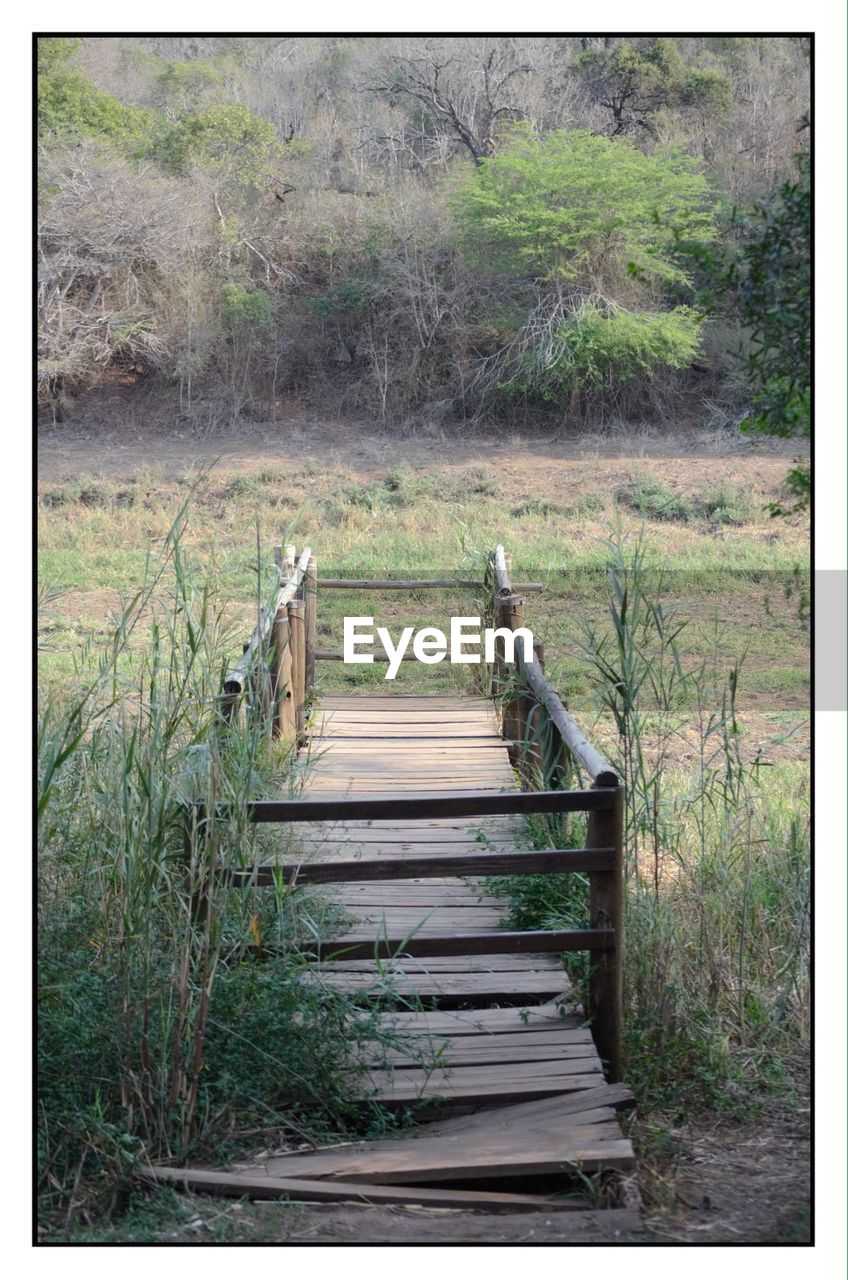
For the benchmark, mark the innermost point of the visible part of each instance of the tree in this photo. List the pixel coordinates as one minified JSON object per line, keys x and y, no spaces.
{"x":635,"y":80}
{"x":594,"y":227}
{"x":467,"y":93}
{"x":771,"y":274}
{"x":228,"y":141}
{"x":71,"y":105}
{"x":576,"y":207}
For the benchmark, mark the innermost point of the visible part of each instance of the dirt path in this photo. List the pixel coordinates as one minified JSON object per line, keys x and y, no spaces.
{"x":73,"y":450}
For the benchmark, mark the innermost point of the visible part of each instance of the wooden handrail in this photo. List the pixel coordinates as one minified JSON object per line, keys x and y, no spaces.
{"x":598,"y":768}
{"x":588,"y":757}
{"x":503,"y":586}
{"x":519,"y":862}
{"x":414,"y":584}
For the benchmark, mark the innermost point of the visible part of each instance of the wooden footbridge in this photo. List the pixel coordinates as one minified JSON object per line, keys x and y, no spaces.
{"x":406,"y":806}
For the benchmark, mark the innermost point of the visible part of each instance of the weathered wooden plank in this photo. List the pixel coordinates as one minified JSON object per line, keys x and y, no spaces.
{"x":255,"y":1186}
{"x":372,"y":866}
{"x":537,"y":1153}
{"x":524,"y":985}
{"x":539,"y":1018}
{"x":354,"y":945}
{"x":396,"y":1091}
{"x":429,"y":1052}
{"x":464,"y":1051}
{"x":459,"y":965}
{"x":436,"y":804}
{"x":437,"y":1077}
{"x":560,"y":1109}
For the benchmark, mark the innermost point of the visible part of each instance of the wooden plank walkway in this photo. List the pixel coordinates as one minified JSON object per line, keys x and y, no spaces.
{"x":493,"y":1043}
{"x":390,"y":746}
{"x":497,"y":1033}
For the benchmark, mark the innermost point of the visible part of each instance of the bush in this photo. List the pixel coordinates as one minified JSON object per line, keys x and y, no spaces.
{"x":725,"y":503}
{"x":651,"y":498}
{"x":601,"y":345}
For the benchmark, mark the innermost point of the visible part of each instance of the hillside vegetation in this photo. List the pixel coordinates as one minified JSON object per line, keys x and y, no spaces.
{"x":557,"y":229}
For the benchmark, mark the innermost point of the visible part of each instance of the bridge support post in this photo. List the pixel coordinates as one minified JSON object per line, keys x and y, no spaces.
{"x":605,"y":829}
{"x":509,"y":614}
{"x":283,"y":693}
{"x":310,"y":600}
{"x":297,"y":644}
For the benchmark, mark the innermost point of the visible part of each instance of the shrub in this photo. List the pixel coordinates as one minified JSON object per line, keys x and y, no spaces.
{"x":725,"y":503}
{"x":650,"y":497}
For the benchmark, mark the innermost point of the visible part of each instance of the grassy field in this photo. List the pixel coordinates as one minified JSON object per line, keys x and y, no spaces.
{"x":729,"y":565}
{"x":717,"y":999}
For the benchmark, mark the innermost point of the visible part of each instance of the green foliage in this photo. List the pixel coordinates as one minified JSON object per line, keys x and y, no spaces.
{"x":773,"y":277}
{"x":181,"y":85}
{"x":569,"y":205}
{"x":598,"y":345}
{"x":727,"y":504}
{"x":766,"y":277}
{"x":635,"y":79}
{"x":246,"y":313}
{"x":150,"y":1034}
{"x":53,"y":51}
{"x":70,"y":104}
{"x":775,"y":273}
{"x":651,"y":498}
{"x":343,"y":299}
{"x":228,"y":140}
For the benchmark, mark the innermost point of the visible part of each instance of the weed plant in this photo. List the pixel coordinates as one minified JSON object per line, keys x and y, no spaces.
{"x":161,"y":1035}
{"x":717,"y":863}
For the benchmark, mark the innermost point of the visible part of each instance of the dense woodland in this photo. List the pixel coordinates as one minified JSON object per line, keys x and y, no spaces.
{"x":576,"y":230}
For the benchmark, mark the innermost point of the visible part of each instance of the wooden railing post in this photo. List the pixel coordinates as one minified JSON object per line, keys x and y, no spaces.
{"x":297,"y":630}
{"x":532,"y":761}
{"x":605,"y":829}
{"x":285,"y":725}
{"x":310,"y":599}
{"x":514,"y":710}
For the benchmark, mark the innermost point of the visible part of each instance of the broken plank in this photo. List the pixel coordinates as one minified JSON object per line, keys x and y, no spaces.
{"x":258,"y":1187}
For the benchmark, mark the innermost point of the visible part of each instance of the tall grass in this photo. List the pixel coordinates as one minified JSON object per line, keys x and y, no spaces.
{"x":716,"y":866}
{"x":717,"y":861}
{"x":158,"y":1033}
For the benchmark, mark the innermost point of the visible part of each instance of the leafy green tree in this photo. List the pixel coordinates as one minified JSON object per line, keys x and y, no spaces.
{"x":227,"y":140}
{"x":574,"y":206}
{"x":70,"y":104}
{"x":773,"y":274}
{"x":634,"y":80}
{"x":764,"y":276}
{"x":246,"y":314}
{"x":593,"y":230}
{"x":181,"y":85}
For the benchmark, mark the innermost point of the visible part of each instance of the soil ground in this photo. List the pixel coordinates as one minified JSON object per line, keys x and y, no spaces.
{"x":75,"y":449}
